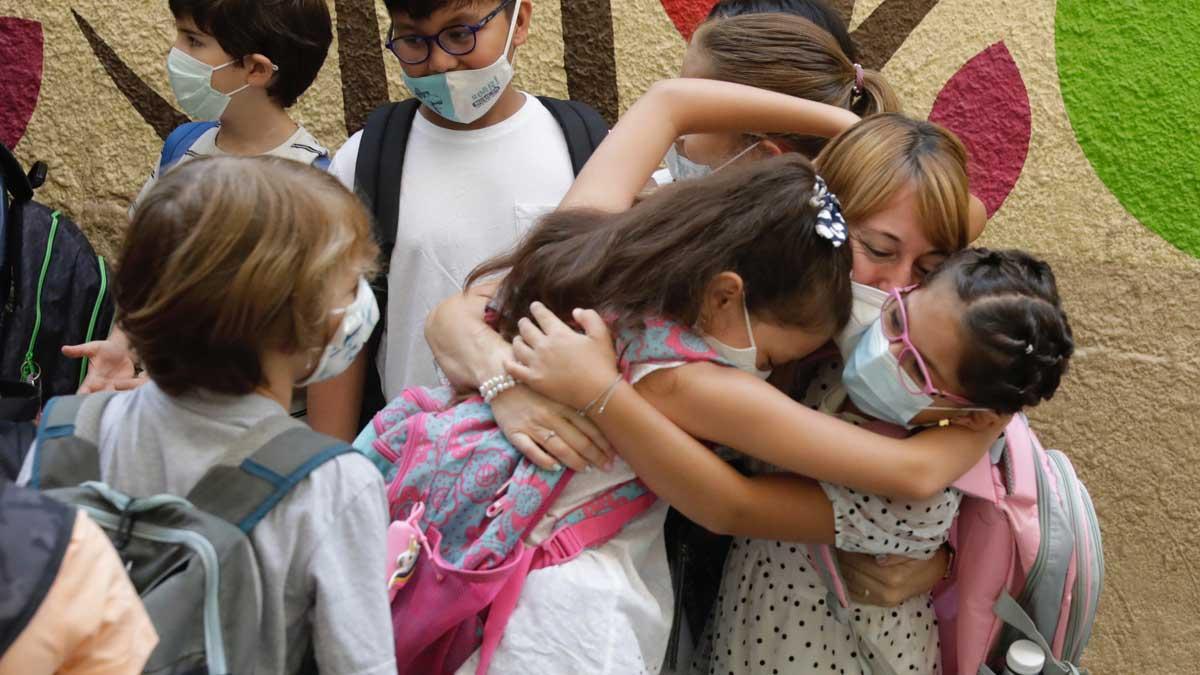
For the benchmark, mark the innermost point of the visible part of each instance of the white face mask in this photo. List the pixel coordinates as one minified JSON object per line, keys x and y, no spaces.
{"x":744,"y":359}
{"x":872,"y":380}
{"x":464,"y":96}
{"x":358,"y":321}
{"x":191,"y":80}
{"x":682,"y":168}
{"x":867,"y":304}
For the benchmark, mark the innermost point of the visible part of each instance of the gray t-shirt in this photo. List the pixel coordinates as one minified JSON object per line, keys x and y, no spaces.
{"x":321,"y":550}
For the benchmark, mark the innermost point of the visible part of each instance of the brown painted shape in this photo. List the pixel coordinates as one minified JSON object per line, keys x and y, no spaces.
{"x":590,"y":56}
{"x":153,"y":108}
{"x":364,"y":77}
{"x":881,"y":34}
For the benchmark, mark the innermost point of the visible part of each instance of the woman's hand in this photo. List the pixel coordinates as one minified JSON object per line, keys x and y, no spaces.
{"x":549,"y":433}
{"x":892,"y":580}
{"x":557,"y":362}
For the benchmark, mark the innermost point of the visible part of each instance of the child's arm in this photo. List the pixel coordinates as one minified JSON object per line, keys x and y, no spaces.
{"x":619,"y":168}
{"x":734,"y":409}
{"x":335,"y":405}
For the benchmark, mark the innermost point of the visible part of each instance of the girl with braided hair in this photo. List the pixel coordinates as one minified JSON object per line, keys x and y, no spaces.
{"x":983,"y":337}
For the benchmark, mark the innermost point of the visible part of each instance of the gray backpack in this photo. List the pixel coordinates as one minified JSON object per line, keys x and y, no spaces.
{"x":191,"y":559}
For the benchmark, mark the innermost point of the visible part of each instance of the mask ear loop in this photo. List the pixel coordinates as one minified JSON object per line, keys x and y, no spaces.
{"x":244,"y":87}
{"x":512,"y":30}
{"x":749,"y":330}
{"x":738,"y":156}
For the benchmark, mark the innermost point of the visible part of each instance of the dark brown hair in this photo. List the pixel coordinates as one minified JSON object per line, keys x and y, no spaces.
{"x":1018,"y":339}
{"x":423,"y":9}
{"x":790,"y":55}
{"x":294,"y":34}
{"x":657,"y":258}
{"x":816,"y":11}
{"x":230,"y":256}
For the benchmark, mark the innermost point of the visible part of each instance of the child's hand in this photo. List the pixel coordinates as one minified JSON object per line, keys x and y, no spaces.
{"x":889,"y":582}
{"x":559,"y":363}
{"x":110,"y":366}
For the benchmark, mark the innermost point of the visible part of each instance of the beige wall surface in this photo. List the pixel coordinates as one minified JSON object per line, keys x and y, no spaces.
{"x":1129,"y":412}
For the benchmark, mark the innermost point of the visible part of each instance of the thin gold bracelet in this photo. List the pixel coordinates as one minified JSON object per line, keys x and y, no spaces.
{"x":602,"y":399}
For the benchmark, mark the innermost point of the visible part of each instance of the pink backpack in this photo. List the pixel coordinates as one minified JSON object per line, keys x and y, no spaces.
{"x":1029,"y":562}
{"x":464,"y":500}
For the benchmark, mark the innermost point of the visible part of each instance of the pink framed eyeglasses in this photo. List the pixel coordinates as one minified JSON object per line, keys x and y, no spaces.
{"x":895,"y":329}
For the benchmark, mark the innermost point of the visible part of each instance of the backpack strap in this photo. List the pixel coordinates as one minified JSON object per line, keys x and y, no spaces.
{"x":379,"y":166}
{"x":282,"y":453}
{"x":180,"y":141}
{"x":66,"y":452}
{"x":581,"y":125}
{"x":377,"y":173}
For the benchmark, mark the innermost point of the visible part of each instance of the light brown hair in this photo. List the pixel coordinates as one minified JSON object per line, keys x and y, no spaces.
{"x":228,"y":257}
{"x":790,"y":55}
{"x":876,"y":159}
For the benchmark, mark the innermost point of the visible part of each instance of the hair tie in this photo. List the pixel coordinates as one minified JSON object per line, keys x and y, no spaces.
{"x":859,"y":75}
{"x":831,"y":224}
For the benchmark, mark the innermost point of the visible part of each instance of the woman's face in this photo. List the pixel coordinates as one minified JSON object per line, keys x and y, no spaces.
{"x":890,"y":247}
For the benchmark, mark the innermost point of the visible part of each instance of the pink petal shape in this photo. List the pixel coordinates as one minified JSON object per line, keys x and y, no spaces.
{"x":986,"y":104}
{"x":687,"y":14}
{"x":20,"y":75}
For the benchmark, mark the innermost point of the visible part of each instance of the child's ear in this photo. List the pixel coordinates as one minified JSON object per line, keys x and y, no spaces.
{"x":725,"y":289}
{"x":259,"y":70}
{"x":771,"y":148}
{"x":524,"y":15}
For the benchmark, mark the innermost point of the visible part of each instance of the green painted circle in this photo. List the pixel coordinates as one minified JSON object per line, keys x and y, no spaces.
{"x":1130,"y":76}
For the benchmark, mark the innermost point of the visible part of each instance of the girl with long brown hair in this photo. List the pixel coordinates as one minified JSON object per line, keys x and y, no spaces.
{"x":779,"y":52}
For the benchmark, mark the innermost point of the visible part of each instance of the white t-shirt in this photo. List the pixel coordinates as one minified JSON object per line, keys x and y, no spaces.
{"x":465,"y":196}
{"x":320,"y":550}
{"x":608,"y":611}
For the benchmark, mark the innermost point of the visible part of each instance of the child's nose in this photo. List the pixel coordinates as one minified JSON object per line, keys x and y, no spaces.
{"x":440,"y":61}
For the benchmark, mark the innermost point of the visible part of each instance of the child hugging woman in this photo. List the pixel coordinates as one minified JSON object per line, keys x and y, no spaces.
{"x":984,"y":336}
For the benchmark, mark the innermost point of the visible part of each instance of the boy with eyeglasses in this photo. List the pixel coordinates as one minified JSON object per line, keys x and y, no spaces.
{"x":453,"y":176}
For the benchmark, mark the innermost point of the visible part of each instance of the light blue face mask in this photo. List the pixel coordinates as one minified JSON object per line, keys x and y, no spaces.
{"x":682,"y":168}
{"x":872,"y":380}
{"x":464,"y":96}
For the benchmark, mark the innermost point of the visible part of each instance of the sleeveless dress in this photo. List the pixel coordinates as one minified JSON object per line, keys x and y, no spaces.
{"x":773,"y":613}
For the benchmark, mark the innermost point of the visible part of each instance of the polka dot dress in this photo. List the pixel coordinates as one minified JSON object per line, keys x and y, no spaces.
{"x":773,"y":615}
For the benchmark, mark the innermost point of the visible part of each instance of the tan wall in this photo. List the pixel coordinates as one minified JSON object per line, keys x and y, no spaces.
{"x":1128,"y":413}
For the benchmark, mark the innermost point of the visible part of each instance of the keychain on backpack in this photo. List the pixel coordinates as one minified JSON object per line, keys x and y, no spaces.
{"x":404,"y":543}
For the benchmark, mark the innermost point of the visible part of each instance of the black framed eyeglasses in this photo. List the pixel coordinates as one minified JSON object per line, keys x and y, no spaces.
{"x":458,"y":40}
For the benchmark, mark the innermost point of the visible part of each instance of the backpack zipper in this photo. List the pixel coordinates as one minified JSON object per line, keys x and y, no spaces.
{"x":1080,"y":595}
{"x":214,"y":643}
{"x":91,"y":330}
{"x":1043,"y":506}
{"x":30,"y":371}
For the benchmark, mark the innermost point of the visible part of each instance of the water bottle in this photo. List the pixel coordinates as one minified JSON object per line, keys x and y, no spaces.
{"x":1024,"y":658}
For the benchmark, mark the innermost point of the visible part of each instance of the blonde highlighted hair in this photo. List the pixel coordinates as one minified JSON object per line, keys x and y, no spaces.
{"x":790,"y":55}
{"x":868,"y":165}
{"x":229,"y":257}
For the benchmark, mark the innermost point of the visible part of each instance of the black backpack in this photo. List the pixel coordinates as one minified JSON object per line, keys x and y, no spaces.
{"x":381,"y":163}
{"x":55,"y":288}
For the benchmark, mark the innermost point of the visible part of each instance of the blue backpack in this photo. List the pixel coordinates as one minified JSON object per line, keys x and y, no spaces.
{"x":185,"y":136}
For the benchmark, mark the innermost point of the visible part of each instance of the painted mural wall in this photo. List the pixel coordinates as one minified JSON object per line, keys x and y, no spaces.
{"x":1079,"y":116}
